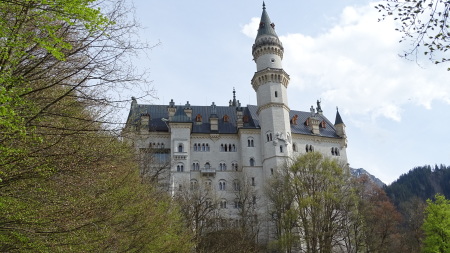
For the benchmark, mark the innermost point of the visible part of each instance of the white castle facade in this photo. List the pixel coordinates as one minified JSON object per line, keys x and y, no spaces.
{"x":212,"y":146}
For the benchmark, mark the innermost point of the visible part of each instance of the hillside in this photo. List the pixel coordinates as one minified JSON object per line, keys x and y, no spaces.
{"x":360,"y":172}
{"x":422,"y":182}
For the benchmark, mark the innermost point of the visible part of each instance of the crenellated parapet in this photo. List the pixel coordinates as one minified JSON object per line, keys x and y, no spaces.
{"x":270,"y":75}
{"x":267,"y":45}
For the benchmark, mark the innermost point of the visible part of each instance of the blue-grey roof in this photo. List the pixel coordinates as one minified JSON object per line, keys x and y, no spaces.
{"x":338,"y":118}
{"x":159,"y":112}
{"x":265,"y":26}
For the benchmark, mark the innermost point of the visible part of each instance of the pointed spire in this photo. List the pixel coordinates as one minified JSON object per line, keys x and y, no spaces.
{"x":338,"y":118}
{"x":265,"y":26}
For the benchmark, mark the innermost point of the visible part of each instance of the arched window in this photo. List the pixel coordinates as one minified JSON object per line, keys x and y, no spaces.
{"x":194,"y":184}
{"x":222,"y":166}
{"x":250,"y":142}
{"x":281,"y":148}
{"x":222,"y":148}
{"x":309,"y":148}
{"x":180,"y":168}
{"x":195,"y":166}
{"x":234,"y":166}
{"x":270,"y":135}
{"x":223,"y":203}
{"x":207,"y":166}
{"x":180,"y":147}
{"x":203,"y":147}
{"x":294,"y":147}
{"x":236,"y":185}
{"x":252,"y":162}
{"x":276,"y":94}
{"x":234,"y":148}
{"x":222,"y":185}
{"x":195,"y":147}
{"x":207,"y":147}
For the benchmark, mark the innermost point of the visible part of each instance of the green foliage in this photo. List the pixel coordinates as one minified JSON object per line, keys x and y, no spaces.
{"x":67,"y":184}
{"x":424,"y":25}
{"x":437,"y":226}
{"x":311,"y":214}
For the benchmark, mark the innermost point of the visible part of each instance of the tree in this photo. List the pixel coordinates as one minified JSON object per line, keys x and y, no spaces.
{"x":67,"y":183}
{"x":283,"y":213}
{"x":312,"y":212}
{"x":381,"y":222}
{"x":424,"y":24}
{"x":199,"y":209}
{"x":436,"y":225}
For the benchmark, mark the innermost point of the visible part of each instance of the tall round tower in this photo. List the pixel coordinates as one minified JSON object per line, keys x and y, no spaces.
{"x":270,"y":83}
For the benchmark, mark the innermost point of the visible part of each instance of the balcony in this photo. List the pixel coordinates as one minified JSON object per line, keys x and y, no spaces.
{"x":180,"y":155}
{"x":208,"y":172}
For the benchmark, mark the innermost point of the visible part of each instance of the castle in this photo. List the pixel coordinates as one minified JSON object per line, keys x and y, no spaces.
{"x":211,"y":146}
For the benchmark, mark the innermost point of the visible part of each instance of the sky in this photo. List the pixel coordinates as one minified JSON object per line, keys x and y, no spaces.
{"x":396,"y":111}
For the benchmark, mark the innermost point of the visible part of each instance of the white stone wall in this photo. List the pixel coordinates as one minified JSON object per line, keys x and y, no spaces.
{"x":268,"y":61}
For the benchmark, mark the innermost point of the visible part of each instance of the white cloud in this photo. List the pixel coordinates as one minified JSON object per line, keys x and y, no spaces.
{"x":355,"y":65}
{"x":251,"y":29}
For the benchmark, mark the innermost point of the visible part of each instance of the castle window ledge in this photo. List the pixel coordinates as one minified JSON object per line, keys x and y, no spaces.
{"x":208,"y":172}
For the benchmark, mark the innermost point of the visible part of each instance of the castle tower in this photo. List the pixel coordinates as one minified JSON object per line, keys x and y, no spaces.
{"x":270,"y":83}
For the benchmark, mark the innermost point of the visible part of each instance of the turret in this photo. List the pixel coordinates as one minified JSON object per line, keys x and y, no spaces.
{"x":339,"y":125}
{"x":268,"y":49}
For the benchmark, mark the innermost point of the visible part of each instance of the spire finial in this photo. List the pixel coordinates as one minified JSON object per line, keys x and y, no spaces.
{"x":234,"y":93}
{"x":264,"y":5}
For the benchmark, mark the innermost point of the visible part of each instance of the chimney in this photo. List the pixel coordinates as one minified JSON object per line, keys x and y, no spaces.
{"x":171,"y":109}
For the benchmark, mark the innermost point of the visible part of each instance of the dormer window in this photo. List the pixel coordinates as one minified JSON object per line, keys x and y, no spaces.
{"x":245,"y":119}
{"x":323,"y":124}
{"x":294,"y":119}
{"x":198,"y":118}
{"x":226,"y":118}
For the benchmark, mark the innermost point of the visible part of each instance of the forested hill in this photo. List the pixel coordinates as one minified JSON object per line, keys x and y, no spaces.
{"x":422,"y":182}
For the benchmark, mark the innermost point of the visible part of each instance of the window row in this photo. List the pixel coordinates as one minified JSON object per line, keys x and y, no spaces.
{"x":222,"y":166}
{"x":156,"y":145}
{"x":228,"y":148}
{"x":204,"y":147}
{"x":309,"y":148}
{"x":222,"y":185}
{"x":335,"y":151}
{"x":250,"y":142}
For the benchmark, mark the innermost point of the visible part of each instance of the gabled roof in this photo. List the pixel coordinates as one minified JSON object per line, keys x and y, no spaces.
{"x":159,"y":115}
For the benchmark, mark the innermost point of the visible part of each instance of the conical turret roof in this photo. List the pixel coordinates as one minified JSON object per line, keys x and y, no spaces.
{"x":338,"y":118}
{"x":266,"y":27}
